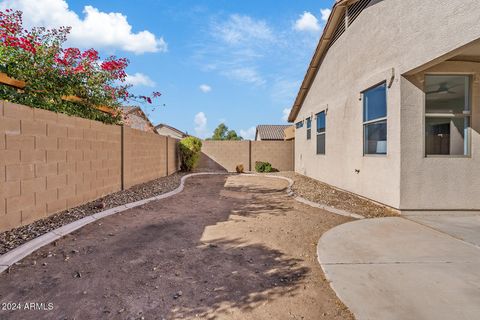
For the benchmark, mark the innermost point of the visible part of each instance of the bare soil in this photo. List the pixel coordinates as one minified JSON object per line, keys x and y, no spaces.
{"x":323,"y":193}
{"x":13,"y":238}
{"x":228,"y":247}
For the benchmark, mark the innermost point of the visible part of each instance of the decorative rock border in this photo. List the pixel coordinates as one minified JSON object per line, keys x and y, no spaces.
{"x":10,"y":258}
{"x":311,"y":203}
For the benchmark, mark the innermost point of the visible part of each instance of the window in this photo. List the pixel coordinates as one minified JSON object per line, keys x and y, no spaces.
{"x":321,"y":132}
{"x":447,"y":114}
{"x":299,"y":125}
{"x":309,"y":128}
{"x":375,"y":120}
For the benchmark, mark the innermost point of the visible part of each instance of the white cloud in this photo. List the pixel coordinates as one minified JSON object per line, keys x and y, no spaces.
{"x":240,"y":28}
{"x":96,"y":29}
{"x":325,"y":13}
{"x":200,"y":122}
{"x":235,"y":45}
{"x":284,"y":90}
{"x":205,"y":88}
{"x":246,"y":74}
{"x":139,"y":79}
{"x":286,"y":113}
{"x":307,"y":22}
{"x":248,"y":134}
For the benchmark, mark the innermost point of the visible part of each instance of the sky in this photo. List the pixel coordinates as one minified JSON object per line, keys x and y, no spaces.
{"x":240,"y":62}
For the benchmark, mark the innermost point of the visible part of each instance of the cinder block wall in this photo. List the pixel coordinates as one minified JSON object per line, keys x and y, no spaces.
{"x":278,"y":153}
{"x":50,"y":162}
{"x":229,"y":154}
{"x":144,"y":156}
{"x":172,"y":156}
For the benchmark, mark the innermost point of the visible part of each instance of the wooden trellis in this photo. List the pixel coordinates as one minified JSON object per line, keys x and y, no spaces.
{"x":19,"y":84}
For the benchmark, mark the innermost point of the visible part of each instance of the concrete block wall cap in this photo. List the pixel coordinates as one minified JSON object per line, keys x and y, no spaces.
{"x":10,"y":258}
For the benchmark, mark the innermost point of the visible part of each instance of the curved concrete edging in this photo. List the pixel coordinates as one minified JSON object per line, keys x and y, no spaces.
{"x":325,"y":272}
{"x":10,"y":258}
{"x":308,"y":202}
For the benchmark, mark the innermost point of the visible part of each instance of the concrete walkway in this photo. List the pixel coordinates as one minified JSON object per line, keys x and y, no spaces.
{"x":394,"y":268}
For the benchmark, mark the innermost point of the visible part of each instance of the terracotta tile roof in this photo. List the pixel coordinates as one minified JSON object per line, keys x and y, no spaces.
{"x":271,"y":132}
{"x":135,"y":118}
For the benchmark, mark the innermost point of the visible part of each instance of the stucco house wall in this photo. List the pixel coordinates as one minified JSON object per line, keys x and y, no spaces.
{"x":445,"y":182}
{"x":390,"y":37}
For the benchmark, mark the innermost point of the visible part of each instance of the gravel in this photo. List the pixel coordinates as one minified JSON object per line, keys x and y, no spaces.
{"x":13,"y":238}
{"x":325,"y":194}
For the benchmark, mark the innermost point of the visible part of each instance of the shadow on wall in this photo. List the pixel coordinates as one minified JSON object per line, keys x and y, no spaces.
{"x":208,"y":164}
{"x":160,"y":265}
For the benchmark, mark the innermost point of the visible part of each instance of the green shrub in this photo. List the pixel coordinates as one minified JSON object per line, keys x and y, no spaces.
{"x":189,"y":148}
{"x":261,"y":166}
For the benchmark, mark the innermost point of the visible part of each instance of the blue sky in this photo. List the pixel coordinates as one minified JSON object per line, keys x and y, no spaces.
{"x":238,"y":62}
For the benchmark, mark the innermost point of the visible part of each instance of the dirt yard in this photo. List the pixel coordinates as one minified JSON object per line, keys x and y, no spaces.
{"x":228,"y":247}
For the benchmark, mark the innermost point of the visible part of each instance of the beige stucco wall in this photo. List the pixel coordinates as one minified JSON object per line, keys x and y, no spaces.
{"x":398,"y":35}
{"x":438,"y":182}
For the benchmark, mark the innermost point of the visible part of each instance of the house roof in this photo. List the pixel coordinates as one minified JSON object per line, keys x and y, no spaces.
{"x":271,"y":132}
{"x":127,"y":110}
{"x":163,"y":125}
{"x":334,"y":19}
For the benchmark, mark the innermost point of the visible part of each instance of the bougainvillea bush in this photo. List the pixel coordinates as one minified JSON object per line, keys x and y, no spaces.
{"x":53,"y":72}
{"x":189,"y":149}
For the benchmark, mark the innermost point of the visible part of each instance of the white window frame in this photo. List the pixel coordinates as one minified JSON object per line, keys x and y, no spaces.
{"x":376,"y":120}
{"x":324,"y":133}
{"x":467,"y":114}
{"x":309,"y":128}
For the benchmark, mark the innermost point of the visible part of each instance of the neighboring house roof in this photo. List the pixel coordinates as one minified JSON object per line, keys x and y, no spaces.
{"x":271,"y":132}
{"x":336,"y":16}
{"x":163,"y":125}
{"x":135,"y":118}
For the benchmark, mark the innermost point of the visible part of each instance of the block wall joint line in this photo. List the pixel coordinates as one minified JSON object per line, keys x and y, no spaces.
{"x":122,"y":157}
{"x":166,"y":154}
{"x":249,"y":155}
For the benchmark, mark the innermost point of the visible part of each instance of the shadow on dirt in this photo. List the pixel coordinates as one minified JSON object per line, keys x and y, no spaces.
{"x":151,"y":262}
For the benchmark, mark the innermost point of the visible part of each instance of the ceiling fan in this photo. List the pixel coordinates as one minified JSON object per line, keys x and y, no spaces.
{"x":444,"y":89}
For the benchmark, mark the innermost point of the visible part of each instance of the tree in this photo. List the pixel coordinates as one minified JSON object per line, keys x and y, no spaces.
{"x":222,"y":133}
{"x":52,"y":71}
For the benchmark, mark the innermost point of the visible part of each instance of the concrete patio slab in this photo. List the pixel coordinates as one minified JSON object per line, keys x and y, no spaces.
{"x":463,"y":227}
{"x":393,"y":268}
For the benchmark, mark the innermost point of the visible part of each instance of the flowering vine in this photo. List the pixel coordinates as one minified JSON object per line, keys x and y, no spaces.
{"x":52,"y":71}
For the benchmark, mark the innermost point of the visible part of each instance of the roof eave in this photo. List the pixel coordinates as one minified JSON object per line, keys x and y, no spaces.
{"x":333,"y":20}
